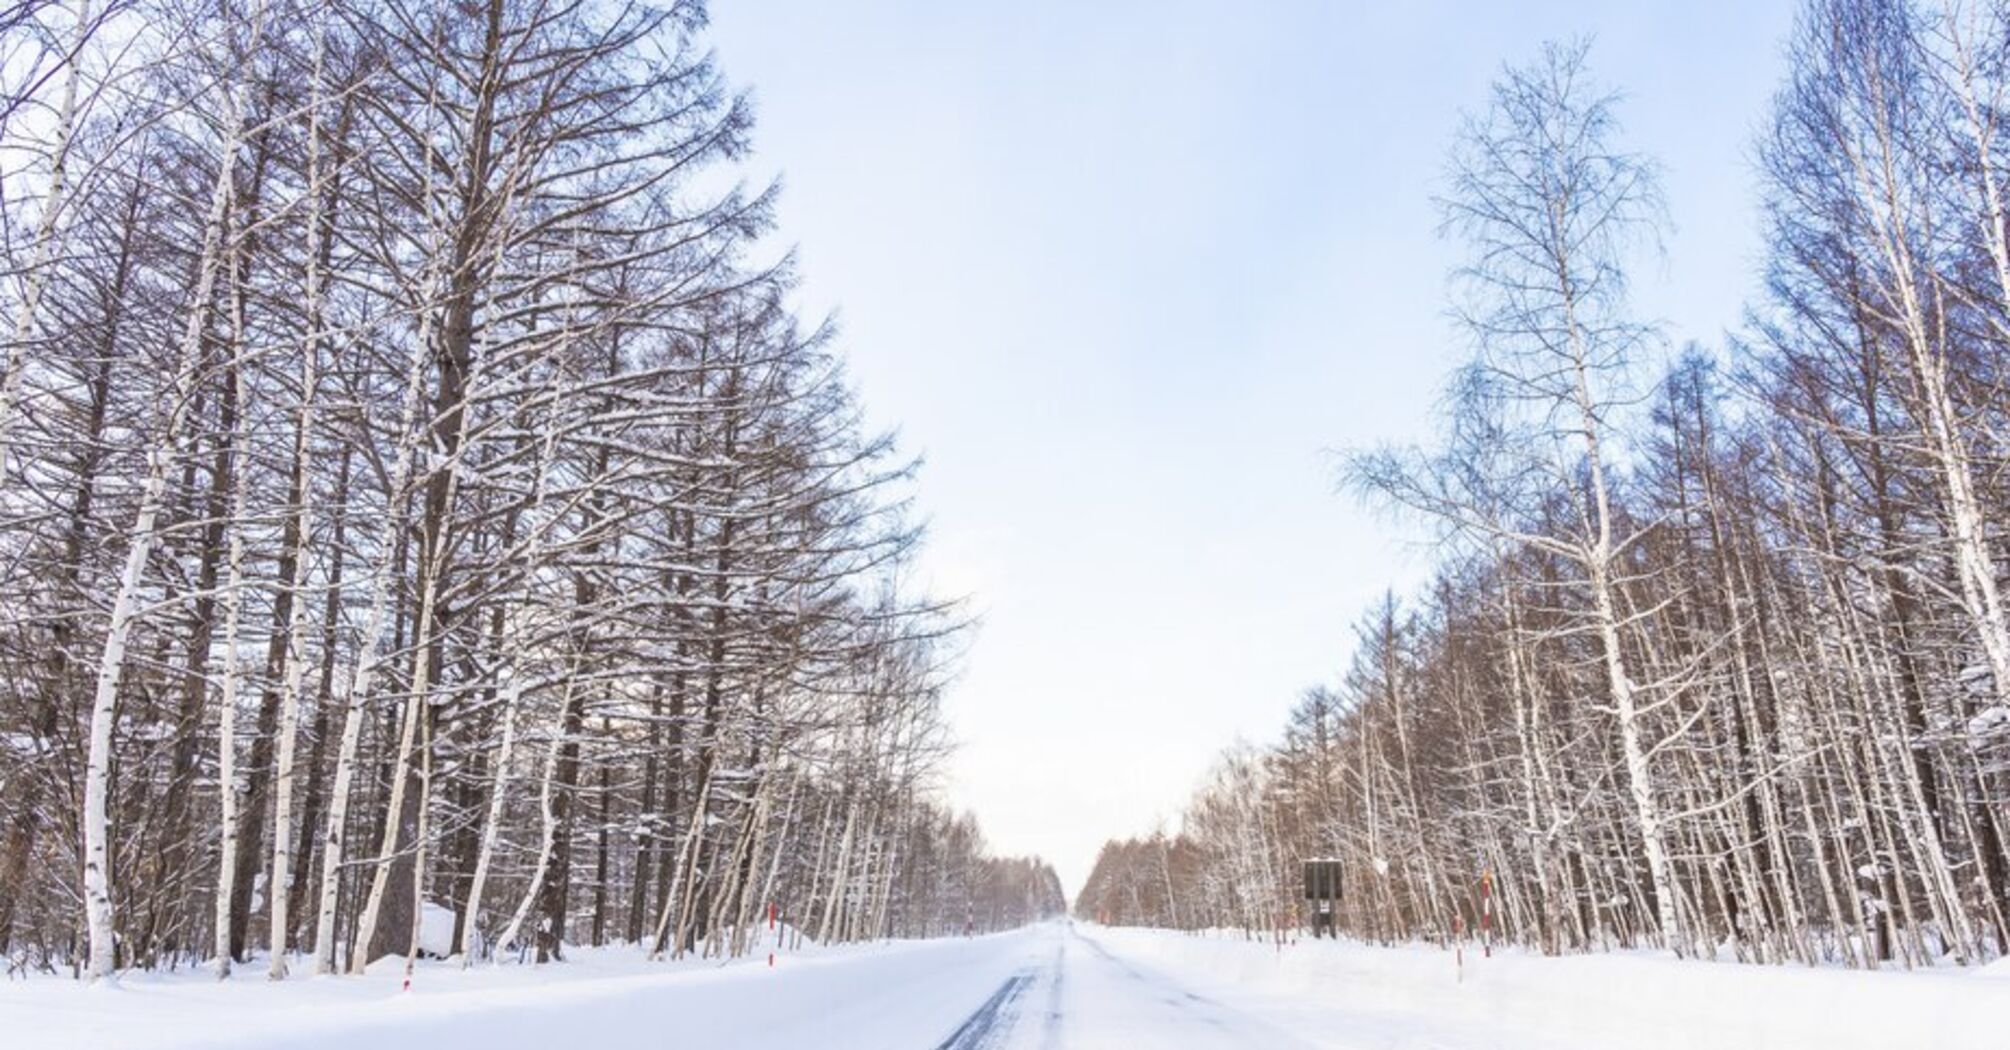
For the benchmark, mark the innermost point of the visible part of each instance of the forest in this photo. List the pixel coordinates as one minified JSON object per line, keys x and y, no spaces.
{"x":419,"y":498}
{"x":1713,"y":656}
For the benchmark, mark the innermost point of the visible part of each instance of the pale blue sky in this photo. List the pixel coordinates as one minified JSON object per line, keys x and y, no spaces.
{"x":1122,"y":271}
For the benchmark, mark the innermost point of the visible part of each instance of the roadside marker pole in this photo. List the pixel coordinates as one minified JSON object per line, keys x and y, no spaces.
{"x":771,"y":935}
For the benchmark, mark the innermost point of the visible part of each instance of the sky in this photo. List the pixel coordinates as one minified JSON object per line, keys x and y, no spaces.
{"x":1126,"y":274}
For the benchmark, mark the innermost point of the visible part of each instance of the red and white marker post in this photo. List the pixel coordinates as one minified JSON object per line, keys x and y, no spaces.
{"x":772,"y":935}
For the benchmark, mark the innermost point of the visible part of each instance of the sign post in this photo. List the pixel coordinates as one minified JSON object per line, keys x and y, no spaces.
{"x":1322,"y":889}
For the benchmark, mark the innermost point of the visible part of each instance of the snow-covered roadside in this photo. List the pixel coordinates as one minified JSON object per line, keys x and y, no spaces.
{"x":1115,"y":988}
{"x":1352,"y":995}
{"x":858,"y":996}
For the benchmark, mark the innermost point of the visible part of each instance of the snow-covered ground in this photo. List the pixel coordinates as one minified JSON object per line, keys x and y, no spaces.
{"x":1055,"y":986}
{"x":871,"y":997}
{"x":1343,"y":994}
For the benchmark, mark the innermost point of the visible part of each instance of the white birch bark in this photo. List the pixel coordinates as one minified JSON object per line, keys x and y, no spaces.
{"x":142,"y":536}
{"x":421,"y":835}
{"x":775,"y":851}
{"x":492,"y":822}
{"x":394,"y":808}
{"x":233,"y":610}
{"x":363,"y":676}
{"x":548,"y":825}
{"x":430,"y":583}
{"x":290,"y":685}
{"x":1640,"y":780}
{"x":675,"y":896}
{"x":1878,"y":181}
{"x":840,"y":880}
{"x":415,"y":707}
{"x":280,"y":889}
{"x":512,"y":696}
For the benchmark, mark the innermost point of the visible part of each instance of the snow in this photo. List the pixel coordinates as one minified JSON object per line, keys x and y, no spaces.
{"x":1990,"y":721}
{"x":871,"y":997}
{"x":1055,"y":987}
{"x":436,"y":930}
{"x":1347,"y":994}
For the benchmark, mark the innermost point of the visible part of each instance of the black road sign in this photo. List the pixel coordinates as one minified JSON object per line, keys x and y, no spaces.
{"x":1322,"y":880}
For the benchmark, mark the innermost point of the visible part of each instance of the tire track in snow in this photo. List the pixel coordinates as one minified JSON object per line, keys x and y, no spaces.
{"x":992,"y":1021}
{"x":1050,"y":1033}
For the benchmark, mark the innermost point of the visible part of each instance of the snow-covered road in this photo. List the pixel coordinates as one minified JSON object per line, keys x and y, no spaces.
{"x":1053,"y":987}
{"x":1082,"y":995}
{"x":1045,"y":988}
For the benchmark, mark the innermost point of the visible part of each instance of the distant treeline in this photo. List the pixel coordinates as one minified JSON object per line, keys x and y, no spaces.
{"x":1715,"y":658}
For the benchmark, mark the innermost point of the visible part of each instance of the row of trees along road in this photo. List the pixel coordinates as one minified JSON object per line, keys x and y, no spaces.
{"x":1714,"y":659}
{"x":419,"y":497}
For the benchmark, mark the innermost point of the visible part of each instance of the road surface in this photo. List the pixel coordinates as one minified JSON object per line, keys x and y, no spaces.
{"x":1081,"y":994}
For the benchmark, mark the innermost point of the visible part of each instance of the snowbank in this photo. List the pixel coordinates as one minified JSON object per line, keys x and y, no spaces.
{"x":1347,"y":994}
{"x":818,"y":998}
